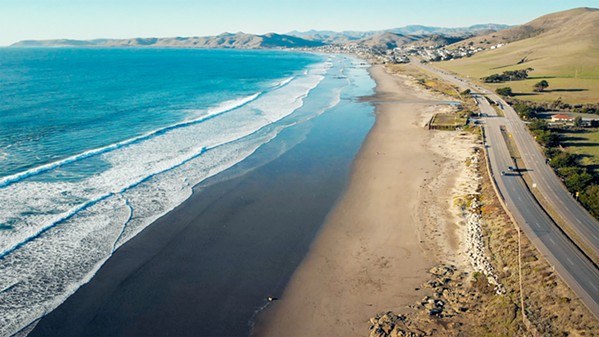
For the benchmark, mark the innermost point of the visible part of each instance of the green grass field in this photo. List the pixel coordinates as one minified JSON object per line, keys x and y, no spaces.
{"x":584,"y":142}
{"x":571,"y":68}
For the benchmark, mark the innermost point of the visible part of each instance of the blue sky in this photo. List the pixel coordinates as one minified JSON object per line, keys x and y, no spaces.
{"x":85,"y":19}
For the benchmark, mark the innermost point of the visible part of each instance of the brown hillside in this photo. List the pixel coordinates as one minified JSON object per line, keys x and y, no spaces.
{"x":386,"y":40}
{"x":573,"y":22}
{"x":561,"y":47}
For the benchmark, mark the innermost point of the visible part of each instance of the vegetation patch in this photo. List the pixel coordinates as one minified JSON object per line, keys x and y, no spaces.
{"x":447,"y":121}
{"x":509,"y":75}
{"x":442,"y":87}
{"x":581,"y":180}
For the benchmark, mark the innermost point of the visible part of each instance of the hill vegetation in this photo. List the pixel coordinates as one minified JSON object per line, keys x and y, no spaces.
{"x":562,"y":48}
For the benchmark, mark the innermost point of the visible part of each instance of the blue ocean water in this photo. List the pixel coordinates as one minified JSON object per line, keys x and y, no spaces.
{"x":60,"y":102}
{"x":96,"y":144}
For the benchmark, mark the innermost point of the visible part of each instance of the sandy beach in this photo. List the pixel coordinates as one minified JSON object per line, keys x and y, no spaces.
{"x":370,"y":255}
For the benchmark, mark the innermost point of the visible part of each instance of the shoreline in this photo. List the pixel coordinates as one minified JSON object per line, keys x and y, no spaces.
{"x":205,"y":268}
{"x":369,"y":256}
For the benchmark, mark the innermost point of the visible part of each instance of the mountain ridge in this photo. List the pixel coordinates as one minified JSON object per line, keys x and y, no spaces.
{"x":294,"y":39}
{"x":225,"y":40}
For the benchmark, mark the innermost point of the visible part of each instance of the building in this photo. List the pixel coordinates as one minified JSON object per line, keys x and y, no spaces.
{"x":561,"y":118}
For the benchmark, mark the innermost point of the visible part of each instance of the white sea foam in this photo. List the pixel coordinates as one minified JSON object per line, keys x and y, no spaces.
{"x":285,"y":81}
{"x":224,"y":107}
{"x":58,"y":245}
{"x":64,"y":231}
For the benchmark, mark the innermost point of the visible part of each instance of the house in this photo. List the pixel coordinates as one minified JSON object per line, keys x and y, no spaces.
{"x":561,"y":118}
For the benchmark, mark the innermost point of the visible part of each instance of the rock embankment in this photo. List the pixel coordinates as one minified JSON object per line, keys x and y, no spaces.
{"x":472,"y":215}
{"x":475,"y":247}
{"x":449,"y":297}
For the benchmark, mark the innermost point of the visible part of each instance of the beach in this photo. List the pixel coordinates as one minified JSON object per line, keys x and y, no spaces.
{"x":371,"y":254}
{"x":335,"y":234}
{"x":207,"y":267}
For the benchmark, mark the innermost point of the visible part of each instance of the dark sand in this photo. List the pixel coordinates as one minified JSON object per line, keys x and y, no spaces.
{"x":205,"y":268}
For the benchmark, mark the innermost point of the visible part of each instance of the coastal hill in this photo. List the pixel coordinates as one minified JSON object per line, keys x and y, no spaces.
{"x":332,"y":37}
{"x":561,"y":47}
{"x":386,"y":39}
{"x":225,"y":40}
{"x":459,"y":31}
{"x":570,"y":23}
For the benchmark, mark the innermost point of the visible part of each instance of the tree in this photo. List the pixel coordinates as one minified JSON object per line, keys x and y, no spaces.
{"x":541,"y":86}
{"x":525,"y":111}
{"x":590,"y":199}
{"x":578,"y":121}
{"x":466,"y":92}
{"x":564,"y":159}
{"x":510,"y":75}
{"x":547,"y":138}
{"x":538,"y":124}
{"x":506,"y":91}
{"x":556,"y":104}
{"x":577,"y":182}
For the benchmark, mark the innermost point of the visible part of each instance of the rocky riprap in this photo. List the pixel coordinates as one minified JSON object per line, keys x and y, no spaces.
{"x":449,"y":298}
{"x":475,"y":247}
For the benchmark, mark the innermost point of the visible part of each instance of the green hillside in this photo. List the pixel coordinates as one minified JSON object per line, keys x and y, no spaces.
{"x":562,"y":48}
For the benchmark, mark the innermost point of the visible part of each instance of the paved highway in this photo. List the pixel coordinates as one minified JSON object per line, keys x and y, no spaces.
{"x":575,"y":268}
{"x":570,"y":263}
{"x":584,"y":227}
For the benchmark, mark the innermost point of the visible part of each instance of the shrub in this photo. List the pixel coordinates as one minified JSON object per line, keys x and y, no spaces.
{"x":547,"y":138}
{"x":577,"y":182}
{"x":564,"y":159}
{"x":510,"y":75}
{"x":525,"y":111}
{"x":506,"y":91}
{"x":541,"y":86}
{"x":538,"y":124}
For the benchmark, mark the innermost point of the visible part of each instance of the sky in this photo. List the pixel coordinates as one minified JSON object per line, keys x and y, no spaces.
{"x":87,"y":19}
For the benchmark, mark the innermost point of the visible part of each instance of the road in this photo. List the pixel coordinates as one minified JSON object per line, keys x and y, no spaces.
{"x":573,"y":266}
{"x":580,"y":223}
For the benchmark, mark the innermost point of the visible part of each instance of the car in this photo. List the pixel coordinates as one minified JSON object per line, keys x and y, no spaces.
{"x":510,"y":168}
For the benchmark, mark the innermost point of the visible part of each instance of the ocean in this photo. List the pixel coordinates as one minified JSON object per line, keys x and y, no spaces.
{"x":97,"y":144}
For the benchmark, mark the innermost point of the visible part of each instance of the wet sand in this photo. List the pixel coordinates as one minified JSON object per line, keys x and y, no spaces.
{"x":205,"y":268}
{"x":369,"y":257}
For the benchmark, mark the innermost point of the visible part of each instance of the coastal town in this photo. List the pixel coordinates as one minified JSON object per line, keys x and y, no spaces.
{"x":402,"y":54}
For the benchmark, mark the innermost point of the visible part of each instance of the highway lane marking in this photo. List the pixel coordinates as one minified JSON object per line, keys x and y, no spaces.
{"x":572,"y":263}
{"x":593,"y":285}
{"x":551,"y":239}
